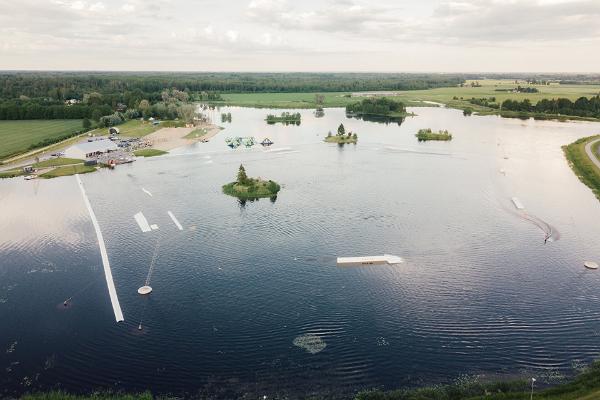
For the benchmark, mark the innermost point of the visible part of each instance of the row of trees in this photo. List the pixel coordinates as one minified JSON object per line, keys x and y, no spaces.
{"x":130,"y":88}
{"x":582,"y":107}
{"x":376,"y":106}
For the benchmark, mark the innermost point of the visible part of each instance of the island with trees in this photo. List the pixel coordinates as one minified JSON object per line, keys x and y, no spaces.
{"x":427,"y":134}
{"x":286,"y":118}
{"x":246,"y":188}
{"x":377,"y":106}
{"x":342,"y":137}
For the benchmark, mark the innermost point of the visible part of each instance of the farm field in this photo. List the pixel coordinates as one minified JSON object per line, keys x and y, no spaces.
{"x":19,"y":136}
{"x":448,"y":95}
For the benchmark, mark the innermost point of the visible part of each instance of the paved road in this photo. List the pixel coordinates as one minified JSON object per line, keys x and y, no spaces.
{"x":590,"y":152}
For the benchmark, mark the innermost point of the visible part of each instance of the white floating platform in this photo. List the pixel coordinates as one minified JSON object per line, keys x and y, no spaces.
{"x":142,"y":222}
{"x":112,"y":291}
{"x":370,"y":260}
{"x":518,"y":203}
{"x":145,"y":290}
{"x":154,"y":227}
{"x":177,"y":224}
{"x":590,"y":265}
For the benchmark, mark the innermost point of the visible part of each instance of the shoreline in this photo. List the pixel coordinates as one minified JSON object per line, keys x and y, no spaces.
{"x":166,"y":139}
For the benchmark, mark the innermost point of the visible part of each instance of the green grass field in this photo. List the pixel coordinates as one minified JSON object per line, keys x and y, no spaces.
{"x":132,"y":128}
{"x":417,"y":97}
{"x":149,"y":153}
{"x":57,"y":162}
{"x":19,"y":136}
{"x":68,"y":170}
{"x":584,"y":168}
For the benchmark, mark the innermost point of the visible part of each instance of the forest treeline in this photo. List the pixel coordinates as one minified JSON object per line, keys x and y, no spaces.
{"x":582,"y":107}
{"x":75,"y":95}
{"x":66,"y":85}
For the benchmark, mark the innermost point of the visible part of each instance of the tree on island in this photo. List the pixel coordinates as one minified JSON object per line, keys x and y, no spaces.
{"x":341,"y":130}
{"x":242,"y":178}
{"x":319,"y":100}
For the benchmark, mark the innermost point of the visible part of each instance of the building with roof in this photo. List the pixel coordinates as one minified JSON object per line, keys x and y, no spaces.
{"x":90,"y":149}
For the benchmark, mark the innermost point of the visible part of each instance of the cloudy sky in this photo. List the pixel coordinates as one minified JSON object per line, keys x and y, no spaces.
{"x":308,"y":35}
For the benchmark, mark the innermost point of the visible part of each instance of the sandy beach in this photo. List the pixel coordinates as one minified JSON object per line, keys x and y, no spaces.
{"x":170,"y":138}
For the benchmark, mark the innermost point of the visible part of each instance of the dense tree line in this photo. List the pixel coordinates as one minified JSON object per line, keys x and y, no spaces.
{"x":484,"y":102}
{"x":582,"y":107}
{"x":19,"y":109}
{"x":132,"y":87}
{"x":376,"y":106}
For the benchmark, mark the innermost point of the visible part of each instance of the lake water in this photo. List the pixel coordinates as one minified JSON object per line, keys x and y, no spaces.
{"x":479,"y":293}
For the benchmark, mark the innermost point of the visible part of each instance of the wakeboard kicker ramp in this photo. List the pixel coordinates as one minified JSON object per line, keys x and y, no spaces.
{"x":112,"y":291}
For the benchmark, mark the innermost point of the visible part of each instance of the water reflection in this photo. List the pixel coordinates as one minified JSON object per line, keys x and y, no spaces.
{"x":479,"y":292}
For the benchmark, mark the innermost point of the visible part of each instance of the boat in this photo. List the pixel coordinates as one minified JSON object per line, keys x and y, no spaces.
{"x":30,"y":177}
{"x":590,"y":265}
{"x":266,"y":142}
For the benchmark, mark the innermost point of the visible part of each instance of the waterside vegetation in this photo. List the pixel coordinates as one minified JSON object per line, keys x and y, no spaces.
{"x":149,"y":153}
{"x":246,"y":188}
{"x":581,"y":164}
{"x":427,"y":134}
{"x":342,"y":137}
{"x":285,"y":118}
{"x":379,"y":106}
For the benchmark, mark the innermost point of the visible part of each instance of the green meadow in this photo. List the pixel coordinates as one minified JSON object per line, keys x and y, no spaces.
{"x":20,"y":136}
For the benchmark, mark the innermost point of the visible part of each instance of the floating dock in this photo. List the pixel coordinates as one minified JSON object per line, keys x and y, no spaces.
{"x":112,"y":291}
{"x":177,"y":224}
{"x":370,"y":260}
{"x":518,"y":203}
{"x":590,"y":265}
{"x":142,"y":222}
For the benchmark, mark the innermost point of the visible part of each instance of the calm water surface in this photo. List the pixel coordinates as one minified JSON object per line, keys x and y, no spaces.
{"x":479,"y":292}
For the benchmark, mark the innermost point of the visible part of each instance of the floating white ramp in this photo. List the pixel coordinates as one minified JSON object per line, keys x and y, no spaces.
{"x":590,"y":265}
{"x":518,"y":203}
{"x":371,"y":260}
{"x":142,"y":222}
{"x":177,"y":224}
{"x":112,"y":291}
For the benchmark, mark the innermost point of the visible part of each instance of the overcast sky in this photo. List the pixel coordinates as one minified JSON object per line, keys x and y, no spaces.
{"x":308,"y":35}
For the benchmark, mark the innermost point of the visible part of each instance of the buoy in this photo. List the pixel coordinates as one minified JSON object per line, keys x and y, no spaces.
{"x":140,"y":327}
{"x":145,"y":290}
{"x":590,"y":265}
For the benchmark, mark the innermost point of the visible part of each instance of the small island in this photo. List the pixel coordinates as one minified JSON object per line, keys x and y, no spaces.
{"x":427,"y":134}
{"x":380,"y":106}
{"x":285,"y":118}
{"x":246,"y":188}
{"x":342,"y":137}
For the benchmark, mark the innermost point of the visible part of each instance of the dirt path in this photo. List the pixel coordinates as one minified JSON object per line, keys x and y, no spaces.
{"x":590,"y":152}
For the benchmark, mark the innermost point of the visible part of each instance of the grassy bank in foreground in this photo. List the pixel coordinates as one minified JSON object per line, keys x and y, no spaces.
{"x":585,"y":386}
{"x":17,"y":137}
{"x":149,"y":153}
{"x":581,"y":164}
